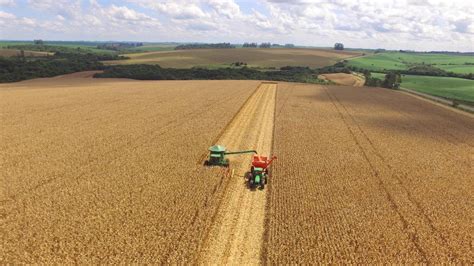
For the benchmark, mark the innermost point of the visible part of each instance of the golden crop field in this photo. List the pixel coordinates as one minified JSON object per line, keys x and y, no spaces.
{"x":369,"y":176}
{"x":251,"y":56}
{"x":109,"y":171}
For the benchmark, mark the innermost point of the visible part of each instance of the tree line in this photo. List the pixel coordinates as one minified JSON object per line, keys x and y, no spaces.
{"x":61,"y":49}
{"x":119,"y":45}
{"x":267,"y":45}
{"x":60,"y":63}
{"x":155,"y":72}
{"x":223,"y":45}
{"x":392,"y":80}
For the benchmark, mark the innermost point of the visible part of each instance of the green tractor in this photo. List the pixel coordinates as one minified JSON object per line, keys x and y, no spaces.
{"x":258,"y":175}
{"x":257,"y":178}
{"x":217,"y":155}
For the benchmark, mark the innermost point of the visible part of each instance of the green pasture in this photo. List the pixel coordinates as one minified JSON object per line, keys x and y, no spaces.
{"x":463,"y":64}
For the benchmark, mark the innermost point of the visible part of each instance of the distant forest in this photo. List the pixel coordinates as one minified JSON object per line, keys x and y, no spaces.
{"x":204,"y":46}
{"x":155,"y":72}
{"x":65,"y":60}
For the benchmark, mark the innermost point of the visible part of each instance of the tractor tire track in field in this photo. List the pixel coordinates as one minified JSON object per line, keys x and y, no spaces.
{"x":238,"y":229}
{"x":416,"y":222}
{"x":433,"y":231}
{"x":389,"y":196}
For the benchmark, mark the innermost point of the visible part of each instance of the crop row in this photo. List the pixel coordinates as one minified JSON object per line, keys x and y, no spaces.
{"x":368,"y":176}
{"x":105,"y":172}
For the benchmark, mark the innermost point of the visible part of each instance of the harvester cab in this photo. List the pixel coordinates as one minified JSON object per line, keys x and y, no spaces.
{"x":217,"y":155}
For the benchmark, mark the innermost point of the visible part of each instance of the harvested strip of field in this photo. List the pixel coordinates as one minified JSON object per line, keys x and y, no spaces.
{"x":225,"y":57}
{"x":369,"y":176}
{"x":345,"y":79}
{"x":104,"y":171}
{"x":237,"y":234}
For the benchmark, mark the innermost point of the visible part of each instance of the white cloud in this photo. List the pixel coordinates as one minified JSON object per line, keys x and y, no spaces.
{"x":227,"y":8}
{"x":465,"y":25}
{"x":175,"y":9}
{"x":107,"y":20}
{"x":402,"y":22}
{"x":5,"y":15}
{"x":8,"y":21}
{"x":65,"y":8}
{"x":202,"y":26}
{"x":125,"y":13}
{"x":395,"y":24}
{"x":8,"y":3}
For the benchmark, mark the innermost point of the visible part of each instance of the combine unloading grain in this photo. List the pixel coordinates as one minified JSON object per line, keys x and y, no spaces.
{"x":217,"y":155}
{"x":258,"y":175}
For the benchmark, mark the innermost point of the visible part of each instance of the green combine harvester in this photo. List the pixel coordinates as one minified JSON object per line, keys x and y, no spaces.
{"x":217,"y":155}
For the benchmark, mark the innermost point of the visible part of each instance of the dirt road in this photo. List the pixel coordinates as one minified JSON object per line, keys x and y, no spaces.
{"x":237,"y":234}
{"x":345,"y":79}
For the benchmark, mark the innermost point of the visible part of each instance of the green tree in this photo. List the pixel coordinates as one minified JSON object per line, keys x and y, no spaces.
{"x":338,"y":46}
{"x":392,"y":80}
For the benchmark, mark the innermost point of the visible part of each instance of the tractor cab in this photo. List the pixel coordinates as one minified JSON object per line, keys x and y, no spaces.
{"x":258,"y":173}
{"x":257,"y":177}
{"x":257,"y":170}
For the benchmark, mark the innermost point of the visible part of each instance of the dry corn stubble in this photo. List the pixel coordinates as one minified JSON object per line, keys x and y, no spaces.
{"x":369,"y":176}
{"x":106,"y":171}
{"x":237,"y":234}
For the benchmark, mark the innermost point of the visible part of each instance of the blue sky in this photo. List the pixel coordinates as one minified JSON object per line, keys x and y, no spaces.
{"x":390,"y":24}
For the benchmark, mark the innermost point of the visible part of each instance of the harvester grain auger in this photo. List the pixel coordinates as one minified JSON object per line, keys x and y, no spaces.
{"x":258,"y":175}
{"x":217,"y":155}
